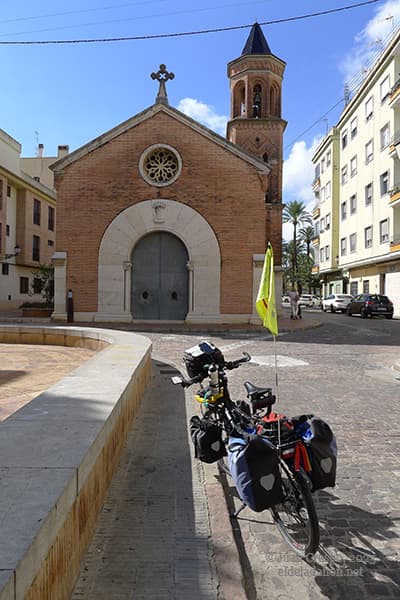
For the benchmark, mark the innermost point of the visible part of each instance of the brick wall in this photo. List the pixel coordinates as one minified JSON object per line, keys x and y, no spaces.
{"x":225,"y":189}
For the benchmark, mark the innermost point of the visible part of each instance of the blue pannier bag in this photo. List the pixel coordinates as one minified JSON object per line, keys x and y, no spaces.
{"x":254,"y":466}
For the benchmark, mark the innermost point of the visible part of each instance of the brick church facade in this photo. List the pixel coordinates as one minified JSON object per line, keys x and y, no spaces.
{"x":161,"y":219}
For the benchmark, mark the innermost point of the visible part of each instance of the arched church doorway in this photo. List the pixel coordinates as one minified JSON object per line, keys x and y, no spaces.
{"x":160,"y":278}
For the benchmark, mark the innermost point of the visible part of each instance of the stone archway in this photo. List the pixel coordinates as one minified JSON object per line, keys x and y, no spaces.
{"x":125,"y":231}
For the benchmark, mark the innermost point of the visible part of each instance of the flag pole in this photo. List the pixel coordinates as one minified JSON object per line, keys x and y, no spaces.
{"x":266,"y":308}
{"x":277,"y":390}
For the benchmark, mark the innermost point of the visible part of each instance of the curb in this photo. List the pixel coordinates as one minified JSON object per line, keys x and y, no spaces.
{"x":226,"y":553}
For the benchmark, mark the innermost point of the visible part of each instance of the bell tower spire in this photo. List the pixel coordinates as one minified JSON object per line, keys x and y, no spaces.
{"x":255,"y":122}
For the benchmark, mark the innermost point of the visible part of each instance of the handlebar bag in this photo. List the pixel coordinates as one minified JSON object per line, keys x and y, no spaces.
{"x":207,"y":439}
{"x":322,"y":451}
{"x":254,"y":466}
{"x":198,"y":359}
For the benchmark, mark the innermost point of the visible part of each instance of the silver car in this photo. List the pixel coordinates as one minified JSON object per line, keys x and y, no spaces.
{"x":308,"y":300}
{"x":336,"y":302}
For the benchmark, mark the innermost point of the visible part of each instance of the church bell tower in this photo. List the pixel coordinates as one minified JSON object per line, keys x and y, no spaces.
{"x":256,"y":124}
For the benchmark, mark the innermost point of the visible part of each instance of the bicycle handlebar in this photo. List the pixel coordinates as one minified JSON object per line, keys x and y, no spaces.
{"x":177,"y":379}
{"x":233,"y":364}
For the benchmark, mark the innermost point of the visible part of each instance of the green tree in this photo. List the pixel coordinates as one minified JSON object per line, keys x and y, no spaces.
{"x":306,"y":235}
{"x":289,"y":252}
{"x":296,"y":213}
{"x":44,"y":277}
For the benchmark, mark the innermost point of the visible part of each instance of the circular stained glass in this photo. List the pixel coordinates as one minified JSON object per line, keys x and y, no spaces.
{"x":160,"y":165}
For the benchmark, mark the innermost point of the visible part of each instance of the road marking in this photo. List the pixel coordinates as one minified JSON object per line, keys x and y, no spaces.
{"x":282,"y":361}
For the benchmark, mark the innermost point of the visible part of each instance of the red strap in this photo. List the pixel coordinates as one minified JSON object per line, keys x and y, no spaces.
{"x":297,"y":452}
{"x":306,"y":459}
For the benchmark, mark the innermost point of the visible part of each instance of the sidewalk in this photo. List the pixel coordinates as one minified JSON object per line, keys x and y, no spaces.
{"x":164,"y":531}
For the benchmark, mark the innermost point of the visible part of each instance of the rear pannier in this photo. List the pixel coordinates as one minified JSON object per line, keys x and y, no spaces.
{"x":322,"y":451}
{"x":253,"y":464}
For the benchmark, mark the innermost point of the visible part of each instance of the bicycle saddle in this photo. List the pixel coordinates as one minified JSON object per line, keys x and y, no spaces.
{"x":253,"y":390}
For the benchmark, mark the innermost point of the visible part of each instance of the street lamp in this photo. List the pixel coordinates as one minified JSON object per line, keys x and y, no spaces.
{"x":17,"y":250}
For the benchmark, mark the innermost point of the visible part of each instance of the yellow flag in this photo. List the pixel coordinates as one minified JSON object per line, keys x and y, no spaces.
{"x":265,"y":303}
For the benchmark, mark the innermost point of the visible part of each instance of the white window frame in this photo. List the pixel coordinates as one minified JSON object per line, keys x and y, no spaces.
{"x":344,"y":139}
{"x":369,"y":108}
{"x":343,"y":176}
{"x":343,"y":211}
{"x":366,"y":196}
{"x":385,"y":88}
{"x":327,"y":252}
{"x":353,"y":242}
{"x":328,"y":221}
{"x":368,"y":236}
{"x":384,"y":231}
{"x":353,"y":128}
{"x":369,"y":151}
{"x":353,"y":166}
{"x":328,"y":159}
{"x":328,"y":189}
{"x":343,"y":246}
{"x":384,"y":178}
{"x":385,"y":136}
{"x":353,"y":204}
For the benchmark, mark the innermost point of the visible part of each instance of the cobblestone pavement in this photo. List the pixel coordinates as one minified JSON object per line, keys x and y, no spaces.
{"x":155,"y":537}
{"x":343,"y":372}
{"x":26,"y":371}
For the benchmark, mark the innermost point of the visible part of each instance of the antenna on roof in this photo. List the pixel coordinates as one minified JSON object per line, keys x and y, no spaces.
{"x":346,"y":94}
{"x":36,"y":143}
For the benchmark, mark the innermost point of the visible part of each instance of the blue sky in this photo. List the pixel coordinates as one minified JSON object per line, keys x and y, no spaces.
{"x":71,"y":93}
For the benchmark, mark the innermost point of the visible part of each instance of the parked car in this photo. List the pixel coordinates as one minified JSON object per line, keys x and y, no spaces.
{"x":336,"y":302}
{"x":309,"y":300}
{"x":368,"y":305}
{"x":285,"y":301}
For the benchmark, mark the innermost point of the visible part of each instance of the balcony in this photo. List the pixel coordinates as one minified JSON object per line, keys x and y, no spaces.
{"x":395,"y":245}
{"x":394,"y":147}
{"x":316,"y":212}
{"x":395,"y":94}
{"x":316,"y":184}
{"x":394,"y":195}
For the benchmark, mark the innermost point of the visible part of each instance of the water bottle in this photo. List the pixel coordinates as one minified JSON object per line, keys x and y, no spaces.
{"x":214,"y":383}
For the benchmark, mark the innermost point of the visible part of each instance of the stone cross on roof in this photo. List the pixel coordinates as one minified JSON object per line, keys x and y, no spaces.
{"x":162,"y":76}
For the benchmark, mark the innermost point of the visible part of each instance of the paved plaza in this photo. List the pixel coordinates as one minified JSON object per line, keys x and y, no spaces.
{"x":161,"y":531}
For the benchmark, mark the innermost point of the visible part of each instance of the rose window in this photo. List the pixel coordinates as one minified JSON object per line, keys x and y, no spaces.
{"x":160,"y":166}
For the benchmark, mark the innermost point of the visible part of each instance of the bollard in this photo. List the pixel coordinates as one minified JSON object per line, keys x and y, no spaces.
{"x":70,"y":307}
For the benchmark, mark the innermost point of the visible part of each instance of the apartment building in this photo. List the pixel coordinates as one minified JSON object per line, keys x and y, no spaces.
{"x":27,"y":224}
{"x":357,"y":188}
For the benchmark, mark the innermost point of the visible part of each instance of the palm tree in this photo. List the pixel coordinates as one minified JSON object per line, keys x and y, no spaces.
{"x":306,"y":235}
{"x":288,"y":254}
{"x":295,"y":213}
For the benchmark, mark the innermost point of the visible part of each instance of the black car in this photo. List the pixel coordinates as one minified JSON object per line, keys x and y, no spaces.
{"x":369,"y":305}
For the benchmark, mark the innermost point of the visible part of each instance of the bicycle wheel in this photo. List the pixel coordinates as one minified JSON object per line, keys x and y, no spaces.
{"x":296,"y":517}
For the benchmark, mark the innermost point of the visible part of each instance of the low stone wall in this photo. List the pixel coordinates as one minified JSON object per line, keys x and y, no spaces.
{"x":58,"y":455}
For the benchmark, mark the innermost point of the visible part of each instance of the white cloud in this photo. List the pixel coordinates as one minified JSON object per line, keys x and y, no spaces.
{"x":298,"y":175}
{"x":370,"y":42}
{"x":203,"y":113}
